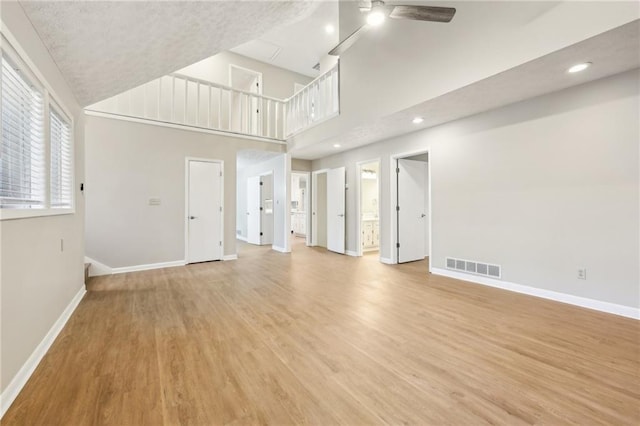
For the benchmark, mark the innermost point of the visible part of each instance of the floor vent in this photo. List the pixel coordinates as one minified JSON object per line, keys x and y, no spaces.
{"x":473,"y":267}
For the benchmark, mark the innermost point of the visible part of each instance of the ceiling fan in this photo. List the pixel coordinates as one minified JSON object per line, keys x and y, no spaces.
{"x":377,"y":12}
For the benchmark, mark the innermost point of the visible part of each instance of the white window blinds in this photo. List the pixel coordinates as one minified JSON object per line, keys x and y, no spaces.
{"x":22,"y":162}
{"x":61,"y":165}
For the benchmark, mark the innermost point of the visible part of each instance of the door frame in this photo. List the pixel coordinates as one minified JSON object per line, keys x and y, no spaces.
{"x":186,"y":202}
{"x":259,"y":75}
{"x":393,"y":192}
{"x":314,"y":202}
{"x":307,"y":201}
{"x":359,"y":165}
{"x":273,"y":190}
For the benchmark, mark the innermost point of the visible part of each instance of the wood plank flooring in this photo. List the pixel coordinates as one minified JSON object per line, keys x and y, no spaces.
{"x":318,"y":338}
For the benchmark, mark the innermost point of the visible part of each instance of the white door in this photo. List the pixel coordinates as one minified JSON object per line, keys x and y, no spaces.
{"x":336,"y":181}
{"x":204,"y":215}
{"x":266,"y":211}
{"x":253,"y":210}
{"x":412,"y":218}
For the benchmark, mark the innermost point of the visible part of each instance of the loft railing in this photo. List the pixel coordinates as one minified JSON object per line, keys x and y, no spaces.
{"x":316,"y":102}
{"x":188,"y":101}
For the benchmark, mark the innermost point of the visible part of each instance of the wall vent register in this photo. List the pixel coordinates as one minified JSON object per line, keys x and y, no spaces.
{"x":474,"y":267}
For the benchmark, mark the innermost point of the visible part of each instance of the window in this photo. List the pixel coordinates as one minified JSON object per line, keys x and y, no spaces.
{"x":60,"y":170}
{"x":36,"y":146}
{"x":22,"y":169}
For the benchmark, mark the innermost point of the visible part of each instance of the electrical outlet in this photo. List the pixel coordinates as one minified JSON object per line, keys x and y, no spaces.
{"x":582,"y":274}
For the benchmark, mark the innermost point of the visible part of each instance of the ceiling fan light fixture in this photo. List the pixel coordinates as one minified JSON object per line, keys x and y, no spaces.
{"x":376,"y":16}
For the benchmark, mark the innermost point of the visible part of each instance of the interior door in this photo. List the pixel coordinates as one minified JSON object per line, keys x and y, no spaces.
{"x":253,"y":210}
{"x":412,"y":218}
{"x":204,"y":212}
{"x":336,"y":180}
{"x":266,"y":212}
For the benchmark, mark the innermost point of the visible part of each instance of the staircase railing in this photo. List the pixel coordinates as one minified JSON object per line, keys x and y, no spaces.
{"x":184,"y":100}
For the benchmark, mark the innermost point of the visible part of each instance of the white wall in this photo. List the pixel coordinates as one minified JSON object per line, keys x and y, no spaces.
{"x":127,"y":163}
{"x":278,"y":166}
{"x":541,"y":187}
{"x":485,"y":38}
{"x":276,"y":82}
{"x":38,"y":280}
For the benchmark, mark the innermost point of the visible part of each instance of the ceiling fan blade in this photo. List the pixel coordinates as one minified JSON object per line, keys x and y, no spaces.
{"x":348,"y":42}
{"x":423,"y":13}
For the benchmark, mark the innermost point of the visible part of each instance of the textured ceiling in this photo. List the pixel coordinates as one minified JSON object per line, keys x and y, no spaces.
{"x":611,"y":52}
{"x":106,"y":47}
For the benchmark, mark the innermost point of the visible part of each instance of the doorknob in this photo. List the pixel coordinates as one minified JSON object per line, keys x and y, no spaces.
{"x":423,"y":215}
{"x":192,"y":217}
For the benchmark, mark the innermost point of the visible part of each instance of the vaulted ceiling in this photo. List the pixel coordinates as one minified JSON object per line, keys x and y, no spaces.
{"x":105,"y":47}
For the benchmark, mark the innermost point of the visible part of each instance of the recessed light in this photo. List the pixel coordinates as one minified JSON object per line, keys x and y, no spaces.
{"x":579,"y":67}
{"x":330,"y":29}
{"x":417,"y":120}
{"x":336,"y":145}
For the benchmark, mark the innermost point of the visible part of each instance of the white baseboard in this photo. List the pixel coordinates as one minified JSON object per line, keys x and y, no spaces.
{"x":147,"y":267}
{"x":387,"y":261}
{"x":230,"y":257}
{"x":97,"y":269}
{"x":241,"y":238}
{"x":280,"y":249}
{"x":351,"y":253}
{"x":611,"y":308}
{"x":20,"y":379}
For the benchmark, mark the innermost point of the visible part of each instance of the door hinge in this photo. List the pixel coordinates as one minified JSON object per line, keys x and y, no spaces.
{"x":220,"y":208}
{"x":261,"y":208}
{"x":261,"y":183}
{"x":220,"y":174}
{"x":397,"y":208}
{"x":257,"y":111}
{"x":220,"y":243}
{"x":397,"y":245}
{"x":397,"y":169}
{"x":261,"y":234}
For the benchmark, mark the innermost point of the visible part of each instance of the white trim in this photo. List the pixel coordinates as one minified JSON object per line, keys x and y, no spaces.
{"x":192,"y":128}
{"x":97,"y":268}
{"x":186,"y":204}
{"x":312,"y":206}
{"x":359,"y":164}
{"x":241,"y":238}
{"x":147,"y":267}
{"x":352,"y":253}
{"x":387,"y":261}
{"x":280,"y":249}
{"x":22,"y":376}
{"x":393,"y":218}
{"x":611,"y":308}
{"x":307,"y":203}
{"x":230,"y":257}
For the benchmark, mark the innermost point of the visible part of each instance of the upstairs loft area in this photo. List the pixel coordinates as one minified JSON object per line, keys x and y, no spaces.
{"x":183,"y":100}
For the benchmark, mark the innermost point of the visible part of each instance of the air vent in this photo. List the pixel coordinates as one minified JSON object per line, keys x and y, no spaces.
{"x":474,"y":267}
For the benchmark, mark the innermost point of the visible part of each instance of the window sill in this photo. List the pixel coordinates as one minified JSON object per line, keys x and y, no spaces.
{"x":11,"y":214}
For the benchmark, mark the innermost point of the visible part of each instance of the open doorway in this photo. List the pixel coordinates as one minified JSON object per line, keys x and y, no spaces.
{"x":328,"y":188}
{"x":411,"y":207}
{"x":246,"y":117}
{"x":319,"y":209}
{"x":260,"y":209}
{"x":368,"y":207}
{"x":300,"y":208}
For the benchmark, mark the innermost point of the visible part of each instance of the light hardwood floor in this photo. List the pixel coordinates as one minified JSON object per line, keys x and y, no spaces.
{"x":315,"y":337}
